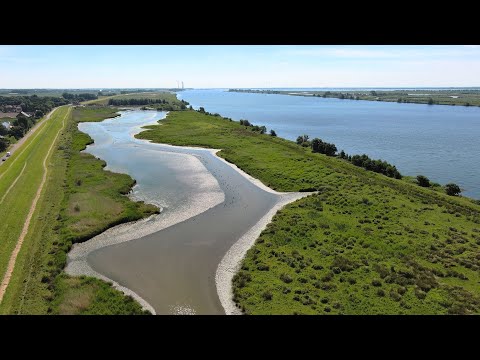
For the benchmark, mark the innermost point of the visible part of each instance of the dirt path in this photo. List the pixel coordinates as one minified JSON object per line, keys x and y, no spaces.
{"x":32,"y":131}
{"x":13,"y":257}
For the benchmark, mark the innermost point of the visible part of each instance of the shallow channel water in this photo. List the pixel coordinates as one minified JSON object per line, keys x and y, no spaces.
{"x":206,"y":207}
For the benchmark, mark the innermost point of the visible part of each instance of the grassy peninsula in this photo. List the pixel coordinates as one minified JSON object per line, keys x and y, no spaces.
{"x":80,"y":200}
{"x":364,"y":244}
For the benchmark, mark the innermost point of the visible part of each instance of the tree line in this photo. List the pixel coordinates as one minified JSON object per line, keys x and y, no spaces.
{"x":144,"y":101}
{"x":379,"y":166}
{"x":79,"y":97}
{"x":33,"y":103}
{"x":37,"y":105}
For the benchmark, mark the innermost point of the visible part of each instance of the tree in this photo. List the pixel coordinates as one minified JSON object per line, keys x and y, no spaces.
{"x":273,"y":133}
{"x":202,"y":110}
{"x":317,"y":145}
{"x":373,"y":93}
{"x":342,"y":155}
{"x":3,"y":130}
{"x":423,"y":181}
{"x":452,"y":189}
{"x":38,"y":113}
{"x":17,"y":132}
{"x":430,"y":101}
{"x":3,"y":144}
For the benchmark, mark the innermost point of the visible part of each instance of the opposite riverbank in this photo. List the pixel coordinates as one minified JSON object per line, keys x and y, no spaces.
{"x":430,"y":97}
{"x":364,"y":244}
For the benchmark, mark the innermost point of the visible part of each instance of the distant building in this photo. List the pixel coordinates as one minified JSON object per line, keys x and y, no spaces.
{"x":24,"y":114}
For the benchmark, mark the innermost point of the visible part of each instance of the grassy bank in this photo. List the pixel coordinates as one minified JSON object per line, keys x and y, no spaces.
{"x":419,"y":96}
{"x":80,"y":200}
{"x":364,"y":244}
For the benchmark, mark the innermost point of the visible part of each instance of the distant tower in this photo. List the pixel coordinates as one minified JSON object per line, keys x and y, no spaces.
{"x":182,"y":85}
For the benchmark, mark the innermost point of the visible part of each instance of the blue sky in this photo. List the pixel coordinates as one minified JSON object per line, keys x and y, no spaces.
{"x":198,"y":66}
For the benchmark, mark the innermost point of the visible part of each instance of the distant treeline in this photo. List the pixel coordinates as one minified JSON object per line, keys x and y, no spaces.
{"x":144,"y":101}
{"x":33,"y":103}
{"x":79,"y":97}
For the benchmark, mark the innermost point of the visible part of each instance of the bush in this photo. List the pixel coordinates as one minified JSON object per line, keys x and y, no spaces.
{"x":267,"y":295}
{"x":452,"y":189}
{"x":273,"y":133}
{"x":423,"y":181}
{"x":376,"y":282}
{"x":287,"y":279}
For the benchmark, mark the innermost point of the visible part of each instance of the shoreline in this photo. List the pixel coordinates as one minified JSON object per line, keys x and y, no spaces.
{"x":231,"y":261}
{"x":77,"y":263}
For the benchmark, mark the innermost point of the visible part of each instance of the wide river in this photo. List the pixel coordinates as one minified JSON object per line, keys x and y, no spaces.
{"x":440,"y":142}
{"x":170,"y":261}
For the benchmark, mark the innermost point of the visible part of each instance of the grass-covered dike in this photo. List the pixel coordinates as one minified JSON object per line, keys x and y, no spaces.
{"x":364,"y":244}
{"x":81,"y":200}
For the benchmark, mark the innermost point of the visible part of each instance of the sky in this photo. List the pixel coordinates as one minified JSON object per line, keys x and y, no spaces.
{"x":256,"y":66}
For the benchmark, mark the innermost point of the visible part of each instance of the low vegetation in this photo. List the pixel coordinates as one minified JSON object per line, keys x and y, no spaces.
{"x":81,"y":200}
{"x":363,"y":244}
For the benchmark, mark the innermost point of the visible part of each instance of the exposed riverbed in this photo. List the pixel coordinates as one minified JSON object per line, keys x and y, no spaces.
{"x":169,"y":261}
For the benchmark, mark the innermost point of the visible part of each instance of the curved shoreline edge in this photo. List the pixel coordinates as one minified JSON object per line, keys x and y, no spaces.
{"x":230,"y":263}
{"x":77,"y":264}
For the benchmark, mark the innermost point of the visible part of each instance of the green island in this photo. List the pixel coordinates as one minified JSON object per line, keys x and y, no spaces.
{"x":464,"y":97}
{"x":364,"y":243}
{"x":79,"y":201}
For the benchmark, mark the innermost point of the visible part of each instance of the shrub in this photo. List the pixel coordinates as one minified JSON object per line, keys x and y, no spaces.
{"x":452,"y":189}
{"x":77,"y":208}
{"x":376,"y":282}
{"x":267,"y":295}
{"x":286,"y":278}
{"x":423,"y":181}
{"x":263,"y":267}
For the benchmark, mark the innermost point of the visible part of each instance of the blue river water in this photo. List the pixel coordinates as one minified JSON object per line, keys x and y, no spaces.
{"x":440,"y":142}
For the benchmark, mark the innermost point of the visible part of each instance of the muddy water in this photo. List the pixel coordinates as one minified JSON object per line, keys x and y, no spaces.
{"x":174,"y":269}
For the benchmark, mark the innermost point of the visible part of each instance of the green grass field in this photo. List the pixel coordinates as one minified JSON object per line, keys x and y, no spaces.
{"x":365,"y":244}
{"x":80,"y":200}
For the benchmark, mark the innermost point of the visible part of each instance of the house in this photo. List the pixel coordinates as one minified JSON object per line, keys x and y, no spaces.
{"x":23,"y":114}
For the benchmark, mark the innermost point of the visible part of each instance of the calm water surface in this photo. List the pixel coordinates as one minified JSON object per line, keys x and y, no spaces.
{"x":440,"y":142}
{"x":174,"y":269}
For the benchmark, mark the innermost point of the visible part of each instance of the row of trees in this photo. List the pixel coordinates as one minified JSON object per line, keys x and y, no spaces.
{"x":144,"y":101}
{"x":322,"y":147}
{"x":261,"y":129}
{"x":378,"y":166}
{"x":33,"y":103}
{"x":79,"y":97}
